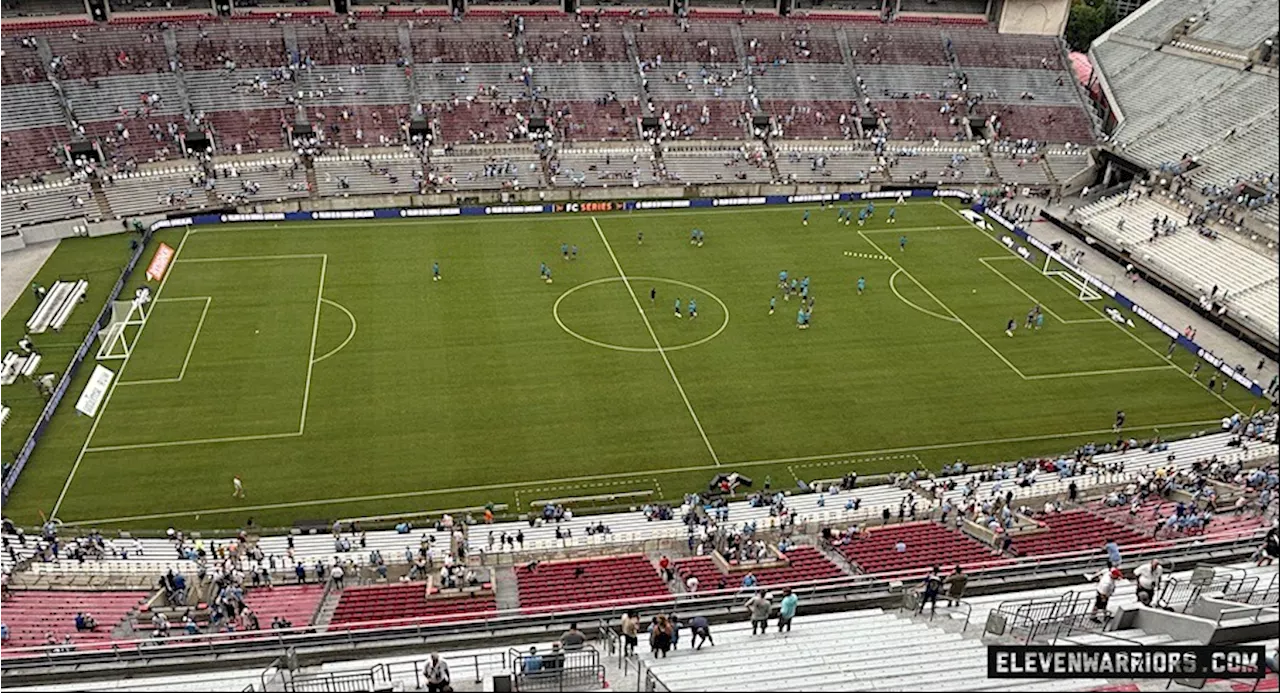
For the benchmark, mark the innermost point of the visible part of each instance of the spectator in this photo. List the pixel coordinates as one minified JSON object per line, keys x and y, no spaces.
{"x":660,"y":637}
{"x":532,"y":661}
{"x":337,"y":574}
{"x":691,"y":584}
{"x":749,"y":581}
{"x":758,"y":606}
{"x":1107,"y":579}
{"x":85,"y":622}
{"x":1113,"y":553}
{"x":1148,"y":575}
{"x":555,"y":660}
{"x":930,"y":588}
{"x":787,"y":610}
{"x":955,"y":584}
{"x":664,"y":565}
{"x":701,"y":631}
{"x":630,"y":631}
{"x":436,"y":673}
{"x":573,"y":639}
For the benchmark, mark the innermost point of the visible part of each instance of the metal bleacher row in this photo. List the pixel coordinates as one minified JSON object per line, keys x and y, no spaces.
{"x":1197,"y":262}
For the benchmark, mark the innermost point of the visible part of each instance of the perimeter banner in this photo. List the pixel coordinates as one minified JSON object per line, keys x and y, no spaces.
{"x":159,"y":262}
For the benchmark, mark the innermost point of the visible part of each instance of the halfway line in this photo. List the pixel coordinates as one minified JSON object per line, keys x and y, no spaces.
{"x":656,"y":343}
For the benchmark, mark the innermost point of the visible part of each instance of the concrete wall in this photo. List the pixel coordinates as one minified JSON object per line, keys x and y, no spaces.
{"x":1040,"y":17}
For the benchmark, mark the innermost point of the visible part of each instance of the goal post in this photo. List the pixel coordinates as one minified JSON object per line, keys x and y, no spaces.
{"x":1056,"y":269}
{"x":127,"y":318}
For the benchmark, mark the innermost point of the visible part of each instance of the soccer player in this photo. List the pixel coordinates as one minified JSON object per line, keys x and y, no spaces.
{"x":701,"y":237}
{"x":809,"y":309}
{"x":1008,"y":329}
{"x":693,"y":237}
{"x":653,"y":295}
{"x":1119,"y":421}
{"x":804,"y":283}
{"x":1039,"y":320}
{"x":1031,"y":318}
{"x":573,"y":252}
{"x":238,"y":487}
{"x":806,"y":217}
{"x":793,"y":287}
{"x":902,"y":243}
{"x":773,"y":303}
{"x":639,"y":237}
{"x":678,"y":315}
{"x":435,"y":271}
{"x":804,"y":293}
{"x":564,"y":250}
{"x":782,"y":279}
{"x":862,"y":217}
{"x":548,"y":275}
{"x":800,"y":319}
{"x":871,"y":209}
{"x":862,"y":285}
{"x":901,"y":198}
{"x":840,"y":215}
{"x":1195,"y":369}
{"x":693,"y":308}
{"x":893,"y":215}
{"x":542,"y":270}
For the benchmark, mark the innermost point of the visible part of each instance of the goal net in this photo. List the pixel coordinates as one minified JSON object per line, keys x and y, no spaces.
{"x":127,"y":318}
{"x":1060,"y":271}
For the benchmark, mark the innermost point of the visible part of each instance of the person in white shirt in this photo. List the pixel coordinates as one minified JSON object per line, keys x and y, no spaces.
{"x":1148,"y":575}
{"x":1107,"y":580}
{"x":437,"y":673}
{"x":691,"y":585}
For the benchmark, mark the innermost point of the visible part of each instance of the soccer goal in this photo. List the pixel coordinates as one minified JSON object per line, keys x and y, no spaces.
{"x":127,"y":318}
{"x":1056,"y":269}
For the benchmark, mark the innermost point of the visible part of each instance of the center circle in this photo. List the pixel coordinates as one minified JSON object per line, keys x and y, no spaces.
{"x":555,"y":311}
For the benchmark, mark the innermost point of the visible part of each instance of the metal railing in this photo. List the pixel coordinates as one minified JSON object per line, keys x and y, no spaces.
{"x":1257,"y":612}
{"x":1084,"y":623}
{"x":556,"y":670}
{"x":1034,"y":617}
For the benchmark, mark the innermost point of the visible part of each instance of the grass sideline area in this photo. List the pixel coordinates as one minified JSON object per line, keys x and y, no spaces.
{"x":322,"y":364}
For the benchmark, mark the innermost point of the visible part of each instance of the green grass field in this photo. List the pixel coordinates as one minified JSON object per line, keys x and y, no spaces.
{"x":321,"y":364}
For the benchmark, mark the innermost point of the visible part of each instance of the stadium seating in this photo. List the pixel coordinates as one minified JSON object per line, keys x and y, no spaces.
{"x":32,"y":615}
{"x":1076,"y":530}
{"x":806,"y":564}
{"x":295,"y":604}
{"x":405,"y":603}
{"x":928,"y":544}
{"x":630,"y":579}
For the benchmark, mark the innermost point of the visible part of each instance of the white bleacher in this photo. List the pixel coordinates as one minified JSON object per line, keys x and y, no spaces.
{"x":160,"y":189}
{"x":720,"y":164}
{"x":25,"y":205}
{"x":272,"y":176}
{"x":4,"y":414}
{"x":467,"y":171}
{"x":619,"y":166}
{"x":1194,"y":261}
{"x":363,"y":179}
{"x":16,"y":366}
{"x":56,"y":306}
{"x":849,"y":651}
{"x":841,"y":162}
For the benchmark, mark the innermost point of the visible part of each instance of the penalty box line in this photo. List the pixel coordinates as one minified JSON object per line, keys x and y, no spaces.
{"x":631,"y":474}
{"x":1168,"y":361}
{"x":190,"y":348}
{"x":311,"y":361}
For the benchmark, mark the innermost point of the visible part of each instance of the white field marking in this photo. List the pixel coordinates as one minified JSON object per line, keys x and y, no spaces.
{"x":601,"y":477}
{"x":944,"y":306}
{"x":114,"y":384}
{"x":583,"y":487}
{"x":555,"y":313}
{"x":179,"y":299}
{"x":350,"y":334}
{"x":656,"y":343}
{"x":241,"y":258}
{"x":195,"y":441}
{"x":1019,"y":289}
{"x":892,"y":229}
{"x":1109,"y":371}
{"x":926,"y":311}
{"x":315,"y":332}
{"x":190,"y":348}
{"x":1120,"y":327}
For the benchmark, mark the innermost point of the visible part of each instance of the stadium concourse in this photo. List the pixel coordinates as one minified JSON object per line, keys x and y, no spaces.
{"x":1163,"y":161}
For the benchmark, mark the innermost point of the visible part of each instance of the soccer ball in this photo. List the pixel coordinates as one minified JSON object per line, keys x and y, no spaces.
{"x":975,"y":291}
{"x":847,"y":253}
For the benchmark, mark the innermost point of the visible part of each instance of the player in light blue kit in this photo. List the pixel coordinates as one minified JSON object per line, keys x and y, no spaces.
{"x":773,"y":303}
{"x":800,"y":318}
{"x":862,"y":285}
{"x":893,"y":215}
{"x":862,"y":217}
{"x":693,"y":308}
{"x":542,"y":270}
{"x":564,"y":250}
{"x":902,"y":243}
{"x":678,"y":315}
{"x":435,"y":271}
{"x":806,"y":217}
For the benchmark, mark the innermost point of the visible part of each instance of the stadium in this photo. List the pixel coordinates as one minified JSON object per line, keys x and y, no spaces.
{"x":286,"y":408}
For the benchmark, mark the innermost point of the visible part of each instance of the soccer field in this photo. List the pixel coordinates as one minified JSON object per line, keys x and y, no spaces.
{"x":321,"y":364}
